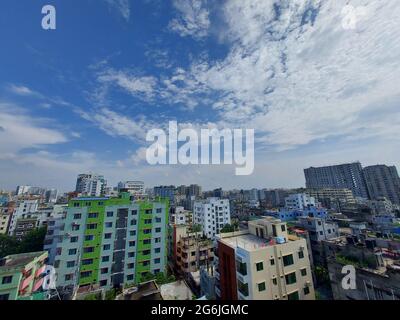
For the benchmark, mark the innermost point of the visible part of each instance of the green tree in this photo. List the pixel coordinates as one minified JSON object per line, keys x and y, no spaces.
{"x":8,"y":245}
{"x":33,"y":241}
{"x":227,"y":228}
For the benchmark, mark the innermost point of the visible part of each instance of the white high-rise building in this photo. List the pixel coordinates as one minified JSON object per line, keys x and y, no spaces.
{"x":299,"y":201}
{"x":91,"y":184}
{"x":24,"y":210}
{"x":212,"y":214}
{"x":21,"y":190}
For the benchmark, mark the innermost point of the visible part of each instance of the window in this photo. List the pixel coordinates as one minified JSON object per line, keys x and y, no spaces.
{"x":89,"y":238}
{"x":275,"y":281}
{"x":70,"y":264}
{"x":157,"y":240}
{"x":77,"y":216}
{"x":91,"y":226}
{"x":131,"y":265}
{"x":93,"y":215}
{"x":104,"y":270}
{"x":109,"y":224}
{"x":146,"y":252}
{"x":86,"y":262}
{"x":4,"y":297}
{"x":69,"y":277}
{"x":110,"y":214}
{"x":158,"y":210}
{"x":75,"y":227}
{"x":134,"y":212}
{"x":283,"y":228}
{"x":157,"y":260}
{"x":157,"y":250}
{"x":290,"y":278}
{"x":7,"y":279}
{"x":306,"y":290}
{"x":132,"y":243}
{"x":303,"y":272}
{"x":132,"y":233}
{"x":107,"y":247}
{"x":130,"y":277}
{"x":261,"y":286}
{"x":71,"y":252}
{"x":147,"y":221}
{"x":147,"y":231}
{"x":105,"y":259}
{"x":158,"y":220}
{"x":133,"y":222}
{"x":86,"y":274}
{"x":158,"y":230}
{"x":272,"y":262}
{"x":259,"y":266}
{"x":241,"y":268}
{"x":288,"y":260}
{"x":103,"y":283}
{"x":145,"y":263}
{"x":131,"y":254}
{"x":74,"y":239}
{"x":107,"y":235}
{"x":293,"y":296}
{"x":301,"y":254}
{"x":88,"y":249}
{"x":243,"y":288}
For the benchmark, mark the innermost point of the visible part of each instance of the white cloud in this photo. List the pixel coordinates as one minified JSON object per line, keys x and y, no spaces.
{"x":21,"y":90}
{"x":193,"y":18}
{"x":143,"y":87}
{"x":117,"y":125}
{"x":122,"y":6}
{"x":21,"y":131}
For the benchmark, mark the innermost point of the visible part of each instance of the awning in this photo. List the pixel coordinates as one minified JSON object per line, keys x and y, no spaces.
{"x":26,"y":282}
{"x":38,"y":285}
{"x":40,"y":271}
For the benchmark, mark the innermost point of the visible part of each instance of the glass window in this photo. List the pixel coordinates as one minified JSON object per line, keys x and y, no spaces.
{"x":293,"y":296}
{"x":7,"y":279}
{"x":303,"y":272}
{"x":243,"y":288}
{"x":306,"y":290}
{"x":259,"y":266}
{"x":301,"y":254}
{"x":288,"y":260}
{"x":291,"y":278}
{"x":261,"y":286}
{"x":241,"y":268}
{"x":110,"y":214}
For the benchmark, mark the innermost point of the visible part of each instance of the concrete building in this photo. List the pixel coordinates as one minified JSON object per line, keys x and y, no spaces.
{"x":349,"y":176}
{"x":24,"y":209}
{"x":292,"y":215}
{"x":4,"y":222}
{"x":51,"y":196}
{"x":133,"y":187}
{"x":109,"y":242}
{"x":92,"y":185}
{"x":377,"y":269}
{"x":21,"y":190}
{"x":212,"y":214}
{"x":263,"y":263}
{"x":383,"y":181}
{"x":21,"y":276}
{"x":165,"y":192}
{"x":299,"y":201}
{"x":332,"y":198}
{"x":181,"y":216}
{"x":192,"y":251}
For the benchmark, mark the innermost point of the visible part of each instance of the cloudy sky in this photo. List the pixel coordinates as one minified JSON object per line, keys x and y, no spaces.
{"x":318,"y":80}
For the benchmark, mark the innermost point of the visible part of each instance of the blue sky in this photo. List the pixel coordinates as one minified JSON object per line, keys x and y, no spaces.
{"x":82,"y":97}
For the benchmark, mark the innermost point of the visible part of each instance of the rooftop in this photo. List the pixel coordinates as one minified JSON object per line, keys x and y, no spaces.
{"x":247,"y":241}
{"x":19,"y":260}
{"x":176,"y":291}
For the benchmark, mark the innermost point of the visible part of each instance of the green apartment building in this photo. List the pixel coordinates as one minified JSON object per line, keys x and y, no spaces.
{"x":22,"y":276}
{"x":109,"y":242}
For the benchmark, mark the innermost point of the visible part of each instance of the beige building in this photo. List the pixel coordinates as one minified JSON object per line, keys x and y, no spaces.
{"x":341,"y":194}
{"x":192,"y":250}
{"x":268,"y":263}
{"x":4,"y":221}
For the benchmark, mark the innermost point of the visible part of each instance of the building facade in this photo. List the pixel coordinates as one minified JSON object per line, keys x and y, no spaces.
{"x":92,"y":185}
{"x":383,"y":181}
{"x":349,"y":176}
{"x":109,"y":242}
{"x":21,"y":276}
{"x":263,"y":263}
{"x":212,"y":214}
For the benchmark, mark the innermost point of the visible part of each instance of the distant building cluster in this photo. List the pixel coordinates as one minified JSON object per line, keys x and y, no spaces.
{"x":179,"y":242}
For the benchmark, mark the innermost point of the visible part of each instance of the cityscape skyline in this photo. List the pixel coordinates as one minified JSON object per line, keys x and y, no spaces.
{"x":82,"y":97}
